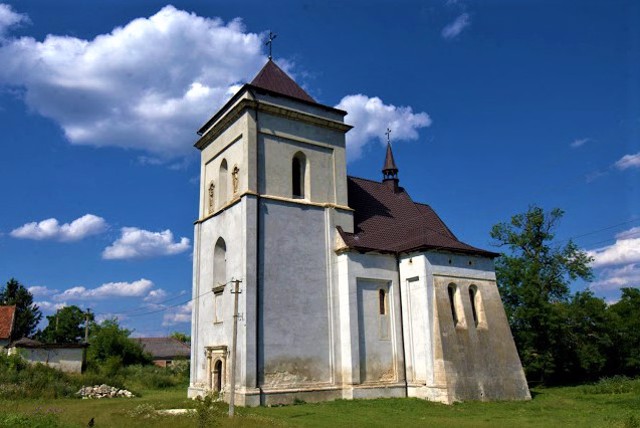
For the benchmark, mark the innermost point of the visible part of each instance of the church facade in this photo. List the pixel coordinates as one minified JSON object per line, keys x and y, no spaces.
{"x":349,"y":288}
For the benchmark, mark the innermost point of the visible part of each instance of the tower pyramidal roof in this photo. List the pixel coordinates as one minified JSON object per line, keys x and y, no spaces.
{"x":273,"y":79}
{"x":389,"y":163}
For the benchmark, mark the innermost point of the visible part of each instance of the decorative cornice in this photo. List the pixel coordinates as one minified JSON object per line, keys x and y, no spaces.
{"x":273,"y":198}
{"x":276,"y":110}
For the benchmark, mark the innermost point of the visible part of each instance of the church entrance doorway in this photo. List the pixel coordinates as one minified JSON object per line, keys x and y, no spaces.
{"x":217,"y":376}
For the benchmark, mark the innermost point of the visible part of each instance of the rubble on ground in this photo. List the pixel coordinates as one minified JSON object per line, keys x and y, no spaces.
{"x":103,"y":391}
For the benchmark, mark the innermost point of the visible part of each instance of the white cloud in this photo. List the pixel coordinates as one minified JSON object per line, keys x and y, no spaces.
{"x":111,"y":289}
{"x":147,"y":85}
{"x":9,"y":18}
{"x":39,"y":290}
{"x":579,"y":142}
{"x":139,"y":243}
{"x":616,"y":278}
{"x":78,"y":229}
{"x":454,"y":29}
{"x":625,"y":250}
{"x":155,"y":295}
{"x":371,"y":117}
{"x":49,"y":307}
{"x":628,"y":161}
{"x":180,"y":314}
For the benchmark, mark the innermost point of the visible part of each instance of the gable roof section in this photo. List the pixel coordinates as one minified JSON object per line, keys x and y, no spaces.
{"x":164,"y":347}
{"x":273,"y":79}
{"x":391,"y":222}
{"x":7,"y":315}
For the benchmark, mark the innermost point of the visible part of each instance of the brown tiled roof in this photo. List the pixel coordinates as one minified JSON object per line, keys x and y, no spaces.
{"x":389,"y":221}
{"x":7,"y":314}
{"x":164,"y":347}
{"x":273,"y":79}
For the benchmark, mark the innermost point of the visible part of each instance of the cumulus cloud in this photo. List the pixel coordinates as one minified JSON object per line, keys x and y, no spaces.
{"x":615,"y":278}
{"x":138,"y":243}
{"x":579,"y":142}
{"x":628,"y":161}
{"x":78,"y":229}
{"x":155,"y":296}
{"x":40,"y":291}
{"x":146,"y":85}
{"x":371,"y":117}
{"x":454,"y":29}
{"x":48,"y":307}
{"x":625,"y":250}
{"x":111,"y":289}
{"x":180,"y":314}
{"x":9,"y":18}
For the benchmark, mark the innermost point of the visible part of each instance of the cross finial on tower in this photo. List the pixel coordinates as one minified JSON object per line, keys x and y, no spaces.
{"x":388,"y":134}
{"x":270,"y":42}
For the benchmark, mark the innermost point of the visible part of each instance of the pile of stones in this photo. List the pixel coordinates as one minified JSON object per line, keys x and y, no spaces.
{"x":103,"y":391}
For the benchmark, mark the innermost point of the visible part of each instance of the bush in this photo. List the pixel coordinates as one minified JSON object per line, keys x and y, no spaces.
{"x":613,"y":385}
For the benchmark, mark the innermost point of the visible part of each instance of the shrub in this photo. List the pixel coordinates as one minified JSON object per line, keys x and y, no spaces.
{"x":613,"y":385}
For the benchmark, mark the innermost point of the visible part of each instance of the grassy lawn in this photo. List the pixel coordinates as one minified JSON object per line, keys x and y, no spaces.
{"x":550,"y":407}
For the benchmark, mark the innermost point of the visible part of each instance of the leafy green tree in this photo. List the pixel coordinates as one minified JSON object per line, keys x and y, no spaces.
{"x":626,"y":331}
{"x":587,"y":340}
{"x":66,"y":326}
{"x":534,"y":281}
{"x":28,"y":314}
{"x":181,"y":337}
{"x":108,"y":342}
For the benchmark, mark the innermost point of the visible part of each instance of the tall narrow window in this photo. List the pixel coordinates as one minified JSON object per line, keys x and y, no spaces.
{"x":451,"y":289}
{"x":298,"y":170}
{"x":220,"y":263}
{"x":382,"y":301}
{"x":222,"y":183}
{"x":473,"y":290}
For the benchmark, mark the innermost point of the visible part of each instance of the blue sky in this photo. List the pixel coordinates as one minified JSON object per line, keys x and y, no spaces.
{"x":493,"y":105}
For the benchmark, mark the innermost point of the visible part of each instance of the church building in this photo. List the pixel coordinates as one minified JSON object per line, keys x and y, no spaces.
{"x":349,"y":288}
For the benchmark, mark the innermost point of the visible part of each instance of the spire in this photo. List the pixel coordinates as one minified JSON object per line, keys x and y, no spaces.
{"x":390,"y":170}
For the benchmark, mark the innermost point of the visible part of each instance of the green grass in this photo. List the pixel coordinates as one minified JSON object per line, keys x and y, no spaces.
{"x":580,"y":406}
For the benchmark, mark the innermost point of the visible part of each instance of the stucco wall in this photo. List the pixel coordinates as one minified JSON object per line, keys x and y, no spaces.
{"x":65,"y":359}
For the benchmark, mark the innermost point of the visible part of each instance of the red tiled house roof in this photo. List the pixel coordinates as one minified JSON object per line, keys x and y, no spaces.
{"x":391,"y":222}
{"x":7,"y":315}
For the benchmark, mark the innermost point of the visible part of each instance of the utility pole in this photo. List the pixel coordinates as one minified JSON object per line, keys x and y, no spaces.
{"x":86,"y":325}
{"x":234,"y":340}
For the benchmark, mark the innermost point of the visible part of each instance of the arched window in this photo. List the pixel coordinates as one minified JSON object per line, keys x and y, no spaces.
{"x":298,"y":175}
{"x":220,"y":263}
{"x":382,"y":301}
{"x":451,"y":289}
{"x":222,"y":183}
{"x":212,"y":189}
{"x":473,"y":291}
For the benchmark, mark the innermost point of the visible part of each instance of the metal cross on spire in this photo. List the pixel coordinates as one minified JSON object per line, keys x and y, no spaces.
{"x":270,"y":42}
{"x":388,"y":134}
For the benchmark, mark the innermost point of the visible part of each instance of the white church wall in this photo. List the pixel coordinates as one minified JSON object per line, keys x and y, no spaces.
{"x":209,"y":330}
{"x":294,"y":105}
{"x":275,"y":176}
{"x":368,"y":372}
{"x":295,"y":326}
{"x":473,"y":362}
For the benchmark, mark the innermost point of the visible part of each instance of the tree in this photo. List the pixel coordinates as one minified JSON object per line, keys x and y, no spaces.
{"x":108,"y":342}
{"x":182,"y":337}
{"x":534,"y":283}
{"x":626,"y":332}
{"x":27,"y":314}
{"x":66,"y":326}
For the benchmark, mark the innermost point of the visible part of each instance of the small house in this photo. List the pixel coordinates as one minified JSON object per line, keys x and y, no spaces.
{"x":7,"y":319}
{"x":67,"y":357}
{"x":164,"y":350}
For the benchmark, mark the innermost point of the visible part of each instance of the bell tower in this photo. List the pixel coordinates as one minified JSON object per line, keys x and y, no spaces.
{"x":273,"y":189}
